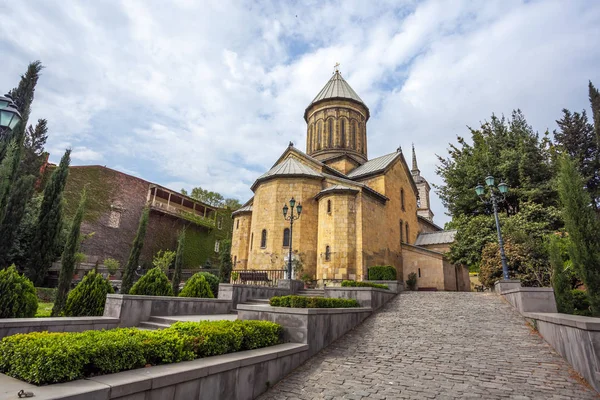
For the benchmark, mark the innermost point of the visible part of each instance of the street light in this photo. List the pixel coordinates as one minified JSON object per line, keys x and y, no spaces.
{"x":9,"y":114}
{"x":503,"y":188}
{"x":291,"y":218}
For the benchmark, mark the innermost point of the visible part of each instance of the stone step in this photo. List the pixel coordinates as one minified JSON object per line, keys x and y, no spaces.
{"x":311,"y":293}
{"x":153,"y":325}
{"x":257,"y":301}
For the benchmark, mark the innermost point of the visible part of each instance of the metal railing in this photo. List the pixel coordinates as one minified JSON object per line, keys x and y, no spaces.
{"x":262,"y":277}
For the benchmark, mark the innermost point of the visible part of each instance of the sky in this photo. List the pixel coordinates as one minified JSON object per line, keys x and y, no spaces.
{"x":191,"y":93}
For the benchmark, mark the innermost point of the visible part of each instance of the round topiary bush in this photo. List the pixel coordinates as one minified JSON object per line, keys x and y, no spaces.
{"x":17,"y":295}
{"x":88,"y":297}
{"x":154,"y":283}
{"x":197,"y":286}
{"x":382,"y":273}
{"x":213,"y":282}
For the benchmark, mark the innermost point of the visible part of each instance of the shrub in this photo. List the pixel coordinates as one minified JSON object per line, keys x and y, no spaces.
{"x":112,"y":265}
{"x":43,"y":357}
{"x":382,"y":273}
{"x":581,"y":303}
{"x":213,"y":282}
{"x":411,"y":282}
{"x":88,"y":297}
{"x":46,"y":295}
{"x":163,"y":259}
{"x":312,"y":302}
{"x":18,"y":298}
{"x":154,"y":283}
{"x":196,"y":286}
{"x":363,"y":284}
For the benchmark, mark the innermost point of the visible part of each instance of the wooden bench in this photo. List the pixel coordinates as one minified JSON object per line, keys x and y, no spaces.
{"x":254,"y":277}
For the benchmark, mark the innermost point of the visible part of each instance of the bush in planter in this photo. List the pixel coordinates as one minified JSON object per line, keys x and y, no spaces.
{"x":18,"y":298}
{"x":363,"y":284}
{"x":88,"y":297}
{"x":213,"y":282}
{"x":411,"y":282}
{"x":311,"y":302}
{"x":197,"y":286}
{"x":382,"y":273}
{"x":112,"y":265}
{"x":153,"y":283}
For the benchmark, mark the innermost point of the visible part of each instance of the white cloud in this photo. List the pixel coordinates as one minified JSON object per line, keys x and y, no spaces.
{"x":84,"y":154}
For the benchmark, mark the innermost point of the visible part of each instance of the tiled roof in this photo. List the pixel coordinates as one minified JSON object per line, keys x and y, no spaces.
{"x":441,"y":237}
{"x":290,"y":166}
{"x":375,"y":165}
{"x":243,"y":209}
{"x":336,"y":188}
{"x":337,"y":87}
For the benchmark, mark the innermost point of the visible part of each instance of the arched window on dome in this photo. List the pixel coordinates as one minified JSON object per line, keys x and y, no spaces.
{"x":330,"y":141}
{"x":353,"y":135}
{"x":343,"y":134}
{"x":319,"y":133}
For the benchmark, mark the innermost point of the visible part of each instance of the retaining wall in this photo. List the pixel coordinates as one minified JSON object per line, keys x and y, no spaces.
{"x":366,"y":296}
{"x":531,"y":299}
{"x":237,"y":293}
{"x":12,"y":326}
{"x":394,"y":286}
{"x":133,"y":309}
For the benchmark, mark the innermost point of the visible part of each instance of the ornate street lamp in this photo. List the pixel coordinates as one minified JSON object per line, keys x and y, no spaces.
{"x":503,"y":188}
{"x":291,"y":218}
{"x":9,"y":114}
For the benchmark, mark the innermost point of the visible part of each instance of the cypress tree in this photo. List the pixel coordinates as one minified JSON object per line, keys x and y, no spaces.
{"x":15,"y":209}
{"x":583,"y":226}
{"x":134,"y":255}
{"x":178,"y":262}
{"x":6,"y":175}
{"x":68,"y":258}
{"x":226,"y":264}
{"x":560,"y":281}
{"x":49,"y":223}
{"x":33,"y":148}
{"x":595,"y":105}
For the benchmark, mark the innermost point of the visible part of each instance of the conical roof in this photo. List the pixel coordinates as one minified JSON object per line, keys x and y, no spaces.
{"x":337,"y":88}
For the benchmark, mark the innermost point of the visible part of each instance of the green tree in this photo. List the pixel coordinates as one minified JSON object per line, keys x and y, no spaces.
{"x":33,"y":148}
{"x":88,"y":298}
{"x":560,"y":279}
{"x":163,"y":259}
{"x":232,"y":204}
{"x":583,"y":226}
{"x":49,"y":223}
{"x":178,"y":262}
{"x":15,"y":209}
{"x":68,"y":258}
{"x":134,"y":255}
{"x":17,"y":295}
{"x":6,"y":175}
{"x":19,"y":253}
{"x":206,"y":196}
{"x":226,"y":265}
{"x":153,"y":283}
{"x":197,"y":286}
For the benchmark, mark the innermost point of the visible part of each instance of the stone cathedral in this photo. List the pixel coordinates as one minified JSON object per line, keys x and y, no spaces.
{"x":357,"y":212}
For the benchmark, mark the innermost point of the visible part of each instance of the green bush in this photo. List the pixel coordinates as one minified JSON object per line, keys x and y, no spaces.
{"x":45,"y":294}
{"x":213,"y":282}
{"x":411,"y":282}
{"x":44,"y":358}
{"x":581,"y":303}
{"x":382,"y":273}
{"x":154,"y":283}
{"x":112,"y":265}
{"x":88,"y":297}
{"x":197,"y":286}
{"x":363,"y":284}
{"x":18,"y":298}
{"x":312,"y":302}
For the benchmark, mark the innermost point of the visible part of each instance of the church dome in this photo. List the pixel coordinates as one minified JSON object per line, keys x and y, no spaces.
{"x":337,"y":88}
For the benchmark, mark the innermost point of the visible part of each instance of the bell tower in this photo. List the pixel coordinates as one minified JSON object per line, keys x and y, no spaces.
{"x":423,"y":205}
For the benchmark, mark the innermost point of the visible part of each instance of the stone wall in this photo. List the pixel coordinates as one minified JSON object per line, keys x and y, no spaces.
{"x":240,"y":242}
{"x":531,"y":299}
{"x":366,"y":296}
{"x":241,"y":293}
{"x":12,"y":326}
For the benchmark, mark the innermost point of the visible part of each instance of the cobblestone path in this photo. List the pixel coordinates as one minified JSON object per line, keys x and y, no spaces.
{"x":437,"y":345}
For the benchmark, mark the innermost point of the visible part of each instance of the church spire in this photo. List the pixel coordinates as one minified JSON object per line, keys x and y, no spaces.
{"x":415,"y":169}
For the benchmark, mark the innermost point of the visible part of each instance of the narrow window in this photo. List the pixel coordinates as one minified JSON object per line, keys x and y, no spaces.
{"x":330,"y":144}
{"x":402,"y":199}
{"x":320,"y":123}
{"x":401,"y":232}
{"x":343,"y":134}
{"x":217,"y":245}
{"x":263,"y":239}
{"x":407,"y":239}
{"x":286,"y":237}
{"x":353,"y":135}
{"x":220,"y":223}
{"x":419,"y":272}
{"x":309,"y":139}
{"x":329,"y":206}
{"x":251,"y":240}
{"x":234,"y":260}
{"x":327,"y":253}
{"x":237,"y":224}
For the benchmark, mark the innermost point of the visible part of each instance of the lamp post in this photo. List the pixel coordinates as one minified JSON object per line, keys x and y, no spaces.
{"x":9,"y":114}
{"x":291,"y":218}
{"x":503,"y":188}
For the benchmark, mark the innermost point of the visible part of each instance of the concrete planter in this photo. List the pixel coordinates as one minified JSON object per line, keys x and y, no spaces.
{"x":366,"y":296}
{"x":12,"y":326}
{"x":530,"y":299}
{"x":237,"y":293}
{"x":394,"y":286}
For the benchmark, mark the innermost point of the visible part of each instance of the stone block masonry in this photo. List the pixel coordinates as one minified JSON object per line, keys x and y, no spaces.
{"x":12,"y":326}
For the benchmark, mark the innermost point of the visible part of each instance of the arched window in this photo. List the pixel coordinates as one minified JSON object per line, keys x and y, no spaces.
{"x":343,"y":134}
{"x":309,"y":139}
{"x":353,"y":135}
{"x":359,"y":138}
{"x":329,"y":206}
{"x":407,"y":239}
{"x":251,"y":240}
{"x":263,"y":239}
{"x":401,"y":232}
{"x":402,"y":199}
{"x":234,"y":260}
{"x":327,"y":253}
{"x":286,"y":237}
{"x":330,"y":141}
{"x":319,"y":133}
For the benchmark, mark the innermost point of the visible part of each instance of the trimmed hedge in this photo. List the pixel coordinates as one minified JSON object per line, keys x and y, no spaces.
{"x":364,"y":284}
{"x":312,"y":302}
{"x":154,"y":283}
{"x":18,"y":298}
{"x":382,"y":273}
{"x":197,"y":286}
{"x":45,"y":358}
{"x":89,"y":296}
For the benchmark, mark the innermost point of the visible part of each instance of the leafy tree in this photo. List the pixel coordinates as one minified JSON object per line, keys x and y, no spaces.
{"x":163,"y":259}
{"x":178,"y":262}
{"x":197,"y":286}
{"x":560,"y":280}
{"x":232,"y":204}
{"x":134,"y":255}
{"x":88,"y":298}
{"x":226,"y":265}
{"x":69,"y":258}
{"x":49,"y":222}
{"x":15,"y":209}
{"x":184,"y":192}
{"x":154,"y":283}
{"x":17,"y":295}
{"x":112,"y":265}
{"x":583,"y":226}
{"x":211,"y":198}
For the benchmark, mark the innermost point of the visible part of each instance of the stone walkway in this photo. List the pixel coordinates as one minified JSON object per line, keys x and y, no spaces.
{"x":440,"y":345}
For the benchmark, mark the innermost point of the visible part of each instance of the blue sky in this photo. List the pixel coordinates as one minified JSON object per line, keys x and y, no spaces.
{"x":187,"y":93}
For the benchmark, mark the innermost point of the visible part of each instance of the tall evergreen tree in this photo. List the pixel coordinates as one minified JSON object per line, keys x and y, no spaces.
{"x":136,"y":251}
{"x":226,"y":265}
{"x":6,"y":175}
{"x":178,"y":262}
{"x":560,"y":280}
{"x":68,"y":258}
{"x":33,"y":148}
{"x":49,"y":223}
{"x":15,"y":209}
{"x":583,"y":226}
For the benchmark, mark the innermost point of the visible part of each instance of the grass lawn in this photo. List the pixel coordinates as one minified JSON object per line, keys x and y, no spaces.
{"x":44,"y":309}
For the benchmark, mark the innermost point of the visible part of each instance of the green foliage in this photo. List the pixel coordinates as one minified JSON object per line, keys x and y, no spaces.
{"x":20,"y":194}
{"x":153,"y":283}
{"x":213,"y":198}
{"x":382,"y":273}
{"x":44,"y":310}
{"x":583,"y":226}
{"x":560,"y":281}
{"x":45,"y":358}
{"x":363,"y":284}
{"x":225,"y":263}
{"x":69,"y":260}
{"x":87,"y":299}
{"x":7,"y":175}
{"x":134,"y":255}
{"x":178,"y":262}
{"x":581,"y":303}
{"x":46,"y":295}
{"x":49,"y":223}
{"x":18,"y":298}
{"x":411,"y":282}
{"x":32,"y":156}
{"x":163,"y":259}
{"x":20,"y":250}
{"x":112,"y":265}
{"x":197,"y":286}
{"x":213,"y":282}
{"x":312,"y":302}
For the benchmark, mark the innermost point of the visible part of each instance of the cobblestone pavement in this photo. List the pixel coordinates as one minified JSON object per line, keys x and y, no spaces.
{"x":436,"y":345}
